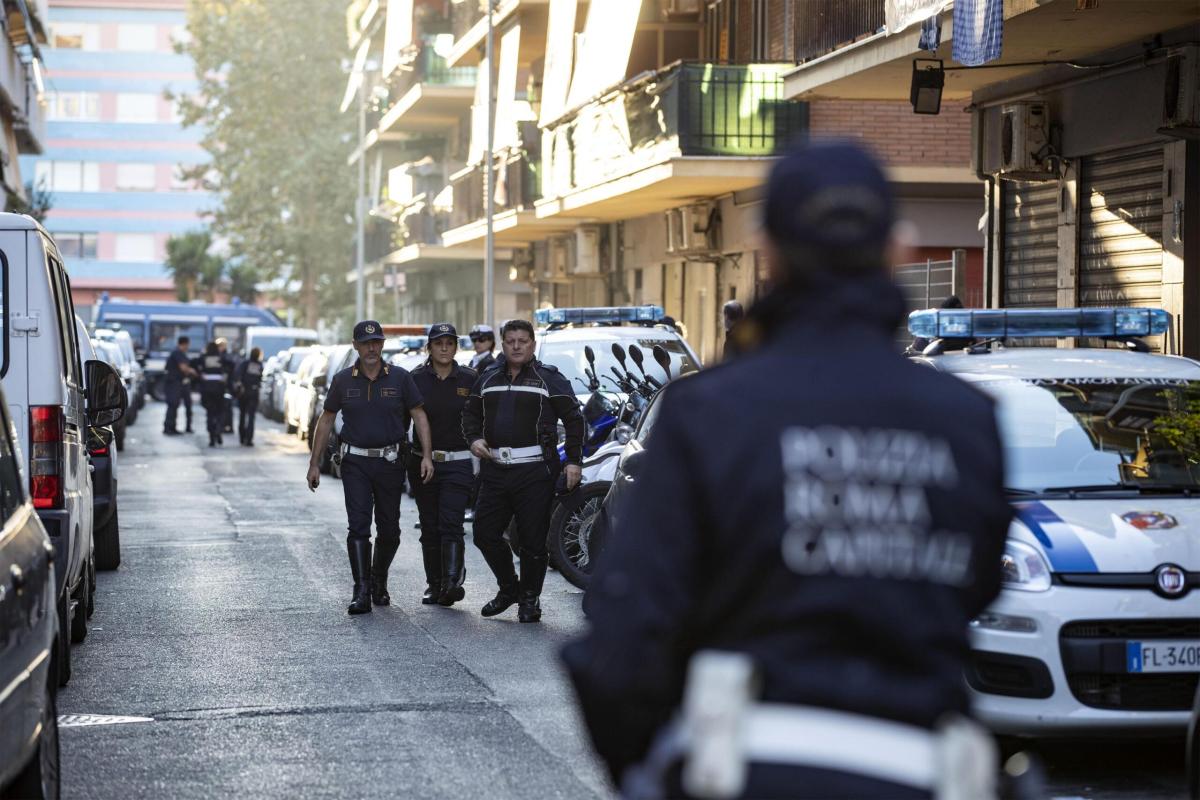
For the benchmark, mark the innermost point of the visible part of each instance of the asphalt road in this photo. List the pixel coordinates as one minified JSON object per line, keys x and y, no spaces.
{"x":226,"y":630}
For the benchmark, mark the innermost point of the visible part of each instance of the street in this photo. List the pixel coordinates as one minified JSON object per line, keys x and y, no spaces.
{"x":226,"y":629}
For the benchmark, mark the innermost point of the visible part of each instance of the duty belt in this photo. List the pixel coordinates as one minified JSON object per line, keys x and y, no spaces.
{"x":451,"y":455}
{"x":391,"y":452}
{"x":517,"y":455}
{"x":209,"y":377}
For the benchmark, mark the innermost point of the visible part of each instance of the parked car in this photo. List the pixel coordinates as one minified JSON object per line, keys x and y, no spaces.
{"x":110,"y":354}
{"x":266,"y":387}
{"x":273,"y":340}
{"x":289,"y":364}
{"x":135,"y":378}
{"x":103,"y":443}
{"x":298,"y":401}
{"x":29,"y":758}
{"x":340,"y":357}
{"x":43,"y":373}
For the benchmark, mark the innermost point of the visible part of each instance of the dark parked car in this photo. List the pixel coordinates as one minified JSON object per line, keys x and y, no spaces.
{"x":29,"y":660}
{"x":340,"y":357}
{"x":106,"y":538}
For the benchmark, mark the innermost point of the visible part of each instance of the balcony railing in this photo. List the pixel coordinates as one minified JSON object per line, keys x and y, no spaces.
{"x":516,"y":187}
{"x":823,"y":26}
{"x":686,"y":110}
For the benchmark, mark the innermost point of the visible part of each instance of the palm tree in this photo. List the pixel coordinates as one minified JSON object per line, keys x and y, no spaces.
{"x":191,"y":266}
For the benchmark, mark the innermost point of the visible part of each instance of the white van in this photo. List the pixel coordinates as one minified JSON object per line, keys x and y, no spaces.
{"x":272,"y":339}
{"x":43,"y":375}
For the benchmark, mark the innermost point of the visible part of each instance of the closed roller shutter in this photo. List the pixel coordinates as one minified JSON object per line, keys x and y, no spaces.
{"x":1120,"y":228}
{"x":1030,"y":244}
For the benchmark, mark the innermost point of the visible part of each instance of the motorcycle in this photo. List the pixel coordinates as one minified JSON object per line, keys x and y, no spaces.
{"x":569,"y":538}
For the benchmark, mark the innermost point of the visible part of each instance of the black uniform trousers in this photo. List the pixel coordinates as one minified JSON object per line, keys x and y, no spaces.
{"x":212,"y":397}
{"x":247,"y":411}
{"x":525,"y":491}
{"x":442,"y":502}
{"x":185,"y":396}
{"x":373,"y":486}
{"x":173,"y":392}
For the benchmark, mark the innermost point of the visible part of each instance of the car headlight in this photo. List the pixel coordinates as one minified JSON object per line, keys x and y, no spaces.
{"x":1023,"y":568}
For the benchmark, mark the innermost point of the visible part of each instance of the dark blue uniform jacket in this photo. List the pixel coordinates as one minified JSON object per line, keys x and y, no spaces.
{"x":821,"y":504}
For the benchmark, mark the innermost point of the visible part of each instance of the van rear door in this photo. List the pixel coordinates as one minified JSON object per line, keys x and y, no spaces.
{"x":14,"y":339}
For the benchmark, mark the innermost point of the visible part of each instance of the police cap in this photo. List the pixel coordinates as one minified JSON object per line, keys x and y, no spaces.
{"x":368,"y":331}
{"x":440,"y":329}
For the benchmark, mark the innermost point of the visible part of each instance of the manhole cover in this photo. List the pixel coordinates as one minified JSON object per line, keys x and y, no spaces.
{"x":85,"y":720}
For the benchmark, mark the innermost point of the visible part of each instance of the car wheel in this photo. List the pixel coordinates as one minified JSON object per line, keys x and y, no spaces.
{"x":79,"y":624}
{"x":107,"y":540}
{"x":570,"y":534}
{"x":63,"y":651}
{"x":119,"y":437}
{"x":40,"y":777}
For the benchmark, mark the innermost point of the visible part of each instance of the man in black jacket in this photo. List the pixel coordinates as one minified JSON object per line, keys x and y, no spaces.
{"x":511,"y":420}
{"x":835,"y":541}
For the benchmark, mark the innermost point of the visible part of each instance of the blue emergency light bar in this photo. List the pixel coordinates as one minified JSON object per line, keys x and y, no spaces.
{"x":604,"y":315}
{"x":1031,"y":323}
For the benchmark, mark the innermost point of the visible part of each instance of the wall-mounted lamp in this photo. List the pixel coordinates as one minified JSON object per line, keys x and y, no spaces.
{"x":928,"y":78}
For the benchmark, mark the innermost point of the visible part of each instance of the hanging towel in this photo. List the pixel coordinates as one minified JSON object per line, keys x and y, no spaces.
{"x":978,"y":31}
{"x":931,"y":34}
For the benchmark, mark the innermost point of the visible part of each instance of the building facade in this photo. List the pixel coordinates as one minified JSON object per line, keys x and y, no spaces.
{"x":22,"y":94}
{"x":115,"y":150}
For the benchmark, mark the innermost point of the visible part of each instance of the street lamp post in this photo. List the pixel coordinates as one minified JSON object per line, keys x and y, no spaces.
{"x":359,"y":205}
{"x":489,"y":259}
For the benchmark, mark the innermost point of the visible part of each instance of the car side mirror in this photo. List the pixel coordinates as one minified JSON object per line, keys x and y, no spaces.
{"x":631,"y":465}
{"x":105,"y":396}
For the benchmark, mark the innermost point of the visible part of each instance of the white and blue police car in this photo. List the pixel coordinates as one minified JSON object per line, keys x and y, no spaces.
{"x":1097,"y":627}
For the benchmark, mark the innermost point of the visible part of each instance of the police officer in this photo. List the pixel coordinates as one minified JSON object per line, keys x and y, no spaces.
{"x":483,"y":339}
{"x":214,"y":383}
{"x":178,"y":369}
{"x":376,"y":400}
{"x":511,"y":419}
{"x":247,"y":378}
{"x":442,"y":502}
{"x":231,"y":364}
{"x":830,"y":547}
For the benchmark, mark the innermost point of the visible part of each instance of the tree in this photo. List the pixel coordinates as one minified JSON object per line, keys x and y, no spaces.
{"x":243,"y":282}
{"x":192,"y":266}
{"x":271,"y":80}
{"x":36,"y":203}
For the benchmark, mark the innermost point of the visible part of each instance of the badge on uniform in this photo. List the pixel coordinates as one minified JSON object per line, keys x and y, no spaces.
{"x":462,"y":392}
{"x":389,"y":392}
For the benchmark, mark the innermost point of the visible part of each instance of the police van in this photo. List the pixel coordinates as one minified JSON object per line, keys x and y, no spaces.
{"x":1097,"y":627}
{"x":53,"y":396}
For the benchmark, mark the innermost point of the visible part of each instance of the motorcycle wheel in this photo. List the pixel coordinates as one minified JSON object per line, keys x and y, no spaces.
{"x":571,"y":532}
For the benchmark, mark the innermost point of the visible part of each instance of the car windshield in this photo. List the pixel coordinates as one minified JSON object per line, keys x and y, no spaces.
{"x":164,"y":335}
{"x":570,"y":359}
{"x":1098,"y":433}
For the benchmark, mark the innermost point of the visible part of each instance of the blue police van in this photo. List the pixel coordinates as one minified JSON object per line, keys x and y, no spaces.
{"x":155,"y":328}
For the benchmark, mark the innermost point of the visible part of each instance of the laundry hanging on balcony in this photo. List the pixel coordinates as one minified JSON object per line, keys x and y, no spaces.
{"x":978,"y":31}
{"x":605,"y":45}
{"x":900,"y":14}
{"x":931,"y":34}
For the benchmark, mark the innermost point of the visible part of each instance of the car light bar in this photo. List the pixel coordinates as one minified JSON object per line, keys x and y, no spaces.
{"x":610,"y":314}
{"x":1026,"y":323}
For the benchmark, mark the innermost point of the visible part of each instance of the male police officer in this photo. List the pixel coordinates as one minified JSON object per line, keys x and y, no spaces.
{"x":376,"y":401}
{"x":835,"y":543}
{"x":176,"y":372}
{"x":483,"y":338}
{"x":511,"y":422}
{"x":247,"y":379}
{"x":442,"y":502}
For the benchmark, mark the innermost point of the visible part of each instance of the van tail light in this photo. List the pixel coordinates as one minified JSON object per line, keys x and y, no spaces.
{"x":46,"y":461}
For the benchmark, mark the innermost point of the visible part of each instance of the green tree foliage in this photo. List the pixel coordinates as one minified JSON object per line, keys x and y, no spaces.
{"x":243,"y":282}
{"x":271,"y":79}
{"x":36,"y":203}
{"x":192,"y":267}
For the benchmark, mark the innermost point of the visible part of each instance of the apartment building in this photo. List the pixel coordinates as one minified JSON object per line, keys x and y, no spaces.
{"x":22,"y":91}
{"x":115,"y":150}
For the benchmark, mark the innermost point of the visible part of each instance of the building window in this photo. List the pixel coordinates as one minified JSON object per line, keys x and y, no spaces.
{"x":76,"y":245}
{"x":76,"y":106}
{"x":136,"y":247}
{"x":137,"y":108}
{"x":69,"y":176}
{"x":136,"y":177}
{"x":137,"y":38}
{"x":75,"y":35}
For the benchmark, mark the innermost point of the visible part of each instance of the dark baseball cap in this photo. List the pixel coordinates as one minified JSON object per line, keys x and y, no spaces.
{"x":440,"y":329}
{"x":368,"y":331}
{"x":829,"y":196}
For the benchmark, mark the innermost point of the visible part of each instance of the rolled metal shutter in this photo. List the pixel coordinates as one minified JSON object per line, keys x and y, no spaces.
{"x":1120,"y":228}
{"x":1030,"y":244}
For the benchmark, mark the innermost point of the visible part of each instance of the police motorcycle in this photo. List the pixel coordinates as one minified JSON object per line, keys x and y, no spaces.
{"x":569,"y":540}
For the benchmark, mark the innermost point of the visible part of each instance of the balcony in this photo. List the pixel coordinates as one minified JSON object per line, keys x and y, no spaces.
{"x":468,"y":21}
{"x":428,"y":95}
{"x":660,"y":141}
{"x":826,"y":25}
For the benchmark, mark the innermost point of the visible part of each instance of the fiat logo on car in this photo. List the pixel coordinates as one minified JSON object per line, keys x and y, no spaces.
{"x":1171,"y":580}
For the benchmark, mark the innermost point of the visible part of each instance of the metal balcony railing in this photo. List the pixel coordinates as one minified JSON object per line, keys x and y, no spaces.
{"x":823,"y":26}
{"x":516,"y":187}
{"x":719,"y":110}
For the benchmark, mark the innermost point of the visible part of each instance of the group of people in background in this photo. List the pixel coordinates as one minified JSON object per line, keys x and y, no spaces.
{"x":221,"y":379}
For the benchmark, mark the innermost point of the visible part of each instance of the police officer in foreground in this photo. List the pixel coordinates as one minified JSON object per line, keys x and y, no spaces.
{"x":511,"y":420}
{"x":247,"y":378}
{"x":178,"y":369}
{"x":442,"y":502}
{"x":377,"y":400}
{"x":783,"y":611}
{"x":483,"y":339}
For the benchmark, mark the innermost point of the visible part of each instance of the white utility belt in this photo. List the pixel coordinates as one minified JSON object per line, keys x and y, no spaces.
{"x":442,"y":456}
{"x":209,"y":377}
{"x":391,"y":452}
{"x":517,"y":455}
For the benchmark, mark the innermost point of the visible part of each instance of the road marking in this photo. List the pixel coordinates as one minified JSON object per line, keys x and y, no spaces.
{"x":88,"y":720}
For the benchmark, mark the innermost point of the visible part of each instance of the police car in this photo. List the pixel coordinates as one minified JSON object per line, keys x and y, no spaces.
{"x":1098,"y":623}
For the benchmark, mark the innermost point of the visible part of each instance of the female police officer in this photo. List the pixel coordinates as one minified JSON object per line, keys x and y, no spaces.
{"x":442,"y":502}
{"x":376,"y":400}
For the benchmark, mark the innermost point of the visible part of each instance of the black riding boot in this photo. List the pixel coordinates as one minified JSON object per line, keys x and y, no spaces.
{"x":499,"y":558}
{"x":431,"y":554}
{"x":533,"y":575}
{"x":385,"y":551}
{"x":453,"y":573}
{"x":360,"y":567}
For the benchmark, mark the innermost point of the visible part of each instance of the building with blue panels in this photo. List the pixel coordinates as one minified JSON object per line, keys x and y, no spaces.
{"x":115,"y":152}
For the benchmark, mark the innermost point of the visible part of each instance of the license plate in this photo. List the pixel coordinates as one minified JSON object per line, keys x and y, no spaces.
{"x":1164,"y":656}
